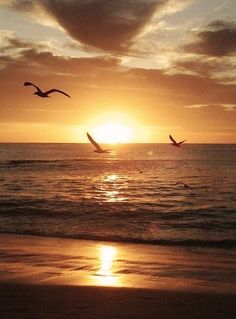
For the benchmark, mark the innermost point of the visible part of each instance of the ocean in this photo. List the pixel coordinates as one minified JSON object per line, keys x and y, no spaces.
{"x":68,"y":191}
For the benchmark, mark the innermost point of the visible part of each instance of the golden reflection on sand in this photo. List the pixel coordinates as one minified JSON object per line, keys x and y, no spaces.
{"x":105,"y":275}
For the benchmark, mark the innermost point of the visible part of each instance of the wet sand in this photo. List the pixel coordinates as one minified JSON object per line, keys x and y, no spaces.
{"x":37,"y":301}
{"x":63,"y":278}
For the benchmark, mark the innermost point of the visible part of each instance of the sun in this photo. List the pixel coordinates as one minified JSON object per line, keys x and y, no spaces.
{"x":113,"y":132}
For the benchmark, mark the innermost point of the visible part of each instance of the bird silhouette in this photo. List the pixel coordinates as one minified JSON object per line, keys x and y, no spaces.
{"x":186,"y":186}
{"x":40,"y":93}
{"x":174,"y":143}
{"x":140,"y":171}
{"x":97,"y":146}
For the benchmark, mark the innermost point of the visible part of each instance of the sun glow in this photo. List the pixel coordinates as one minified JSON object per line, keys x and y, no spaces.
{"x":113,"y":133}
{"x":105,"y":276}
{"x":107,"y":256}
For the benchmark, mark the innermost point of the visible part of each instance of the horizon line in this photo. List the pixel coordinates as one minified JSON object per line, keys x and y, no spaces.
{"x":119,"y":143}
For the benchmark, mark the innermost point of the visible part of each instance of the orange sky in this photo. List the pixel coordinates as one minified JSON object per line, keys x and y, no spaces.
{"x":156,"y":67}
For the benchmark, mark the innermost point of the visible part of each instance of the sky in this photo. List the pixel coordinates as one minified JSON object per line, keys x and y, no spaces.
{"x":136,"y":70}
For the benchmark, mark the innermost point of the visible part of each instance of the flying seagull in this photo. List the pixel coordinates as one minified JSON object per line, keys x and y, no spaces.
{"x":44,"y":94}
{"x":97,"y":146}
{"x":140,"y":171}
{"x":186,"y":186}
{"x":174,"y":143}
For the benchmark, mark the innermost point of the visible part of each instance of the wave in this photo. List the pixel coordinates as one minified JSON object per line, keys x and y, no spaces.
{"x":37,"y":161}
{"x":188,"y":243}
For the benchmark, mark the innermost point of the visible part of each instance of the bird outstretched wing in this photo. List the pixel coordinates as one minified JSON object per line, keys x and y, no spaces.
{"x":95,"y":144}
{"x":186,"y":186}
{"x":172,"y":139}
{"x":29,"y":83}
{"x":56,"y":90}
{"x":182,"y":142}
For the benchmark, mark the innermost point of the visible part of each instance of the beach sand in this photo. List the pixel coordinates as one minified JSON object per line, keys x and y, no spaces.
{"x":37,"y":301}
{"x":64,"y":278}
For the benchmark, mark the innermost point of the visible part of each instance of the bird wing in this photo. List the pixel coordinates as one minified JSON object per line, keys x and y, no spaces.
{"x":29,"y":83}
{"x":181,"y":142}
{"x":188,"y":186}
{"x":94,"y":143}
{"x":185,"y":185}
{"x":56,"y":90}
{"x":178,"y":183}
{"x":172,"y":139}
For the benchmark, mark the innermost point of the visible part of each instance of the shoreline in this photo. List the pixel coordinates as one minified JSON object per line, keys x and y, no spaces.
{"x":58,"y":261}
{"x":42,"y":277}
{"x":194,"y":244}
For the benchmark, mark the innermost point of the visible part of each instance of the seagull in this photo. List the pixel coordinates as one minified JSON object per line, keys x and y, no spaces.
{"x":97,"y":146}
{"x":44,"y":94}
{"x":139,"y":170}
{"x":186,"y":186}
{"x":174,"y":143}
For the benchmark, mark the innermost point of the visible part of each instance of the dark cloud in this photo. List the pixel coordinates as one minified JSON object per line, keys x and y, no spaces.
{"x":218,"y":39}
{"x":109,"y":25}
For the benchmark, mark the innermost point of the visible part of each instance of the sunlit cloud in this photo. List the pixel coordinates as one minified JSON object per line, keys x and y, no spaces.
{"x":211,"y":67}
{"x":174,"y":6}
{"x":12,"y":45}
{"x":32,"y":10}
{"x":226,"y":107}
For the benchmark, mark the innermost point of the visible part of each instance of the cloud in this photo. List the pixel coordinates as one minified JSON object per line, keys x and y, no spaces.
{"x":24,"y":5}
{"x":209,"y":67}
{"x":104,"y":72}
{"x":226,"y":107}
{"x":218,"y":40}
{"x":96,"y":83}
{"x":35,"y":63}
{"x":186,"y":86}
{"x":32,"y":10}
{"x":9,"y":42}
{"x":173,"y":6}
{"x":109,"y":25}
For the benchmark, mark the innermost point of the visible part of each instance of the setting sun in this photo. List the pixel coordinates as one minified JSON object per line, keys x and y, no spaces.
{"x":113,"y":133}
{"x":117,"y":159}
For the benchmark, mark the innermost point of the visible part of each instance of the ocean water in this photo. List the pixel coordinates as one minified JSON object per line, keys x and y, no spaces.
{"x":67,"y":190}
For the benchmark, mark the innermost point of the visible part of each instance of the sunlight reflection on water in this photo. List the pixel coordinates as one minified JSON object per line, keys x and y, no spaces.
{"x":112,"y":196}
{"x":111,"y":188}
{"x":111,"y":178}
